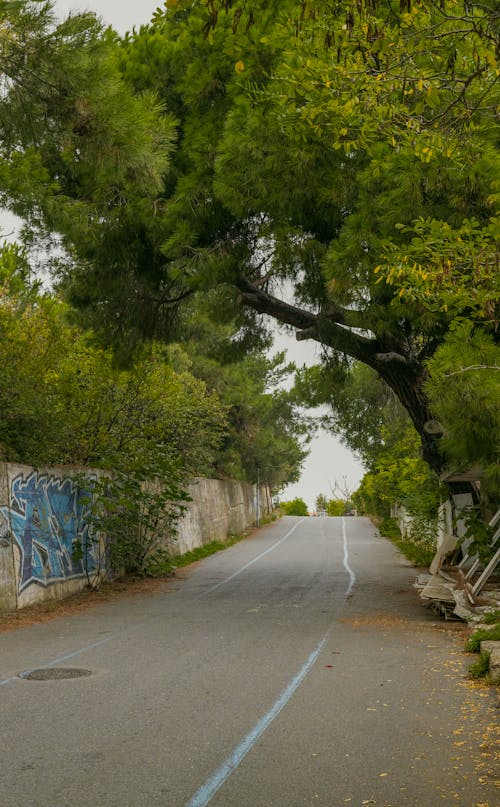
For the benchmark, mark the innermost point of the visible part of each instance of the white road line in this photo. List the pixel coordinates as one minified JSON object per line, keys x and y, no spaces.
{"x":251,"y":562}
{"x":352,"y":576}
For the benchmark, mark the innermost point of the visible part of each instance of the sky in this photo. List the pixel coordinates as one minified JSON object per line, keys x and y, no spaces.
{"x":123,"y":15}
{"x":329,"y":461}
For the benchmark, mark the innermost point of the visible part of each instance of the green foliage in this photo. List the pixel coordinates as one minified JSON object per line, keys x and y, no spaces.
{"x":464,"y":390}
{"x":84,"y":158}
{"x":295,"y":507}
{"x":321,"y":502}
{"x":335,"y":507}
{"x":16,"y":281}
{"x":478,"y":533}
{"x":345,"y":149}
{"x":63,"y":400}
{"x":448,"y":269}
{"x":266,"y":435}
{"x":368,"y":417}
{"x":482,"y":635}
{"x":136,"y":509}
{"x":491,"y":618}
{"x":389,"y":529}
{"x":420,"y":548}
{"x":399,"y":477}
{"x":481,"y":667}
{"x":370,"y":420}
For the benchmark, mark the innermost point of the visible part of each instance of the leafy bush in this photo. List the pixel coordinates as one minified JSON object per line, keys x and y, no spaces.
{"x":417,"y":549}
{"x":389,"y":529}
{"x":136,"y":510}
{"x":296,"y":507}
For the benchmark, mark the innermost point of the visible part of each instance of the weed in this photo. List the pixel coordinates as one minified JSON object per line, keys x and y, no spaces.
{"x":419,"y":552}
{"x":481,"y":667}
{"x":492,"y":618}
{"x":481,"y":635}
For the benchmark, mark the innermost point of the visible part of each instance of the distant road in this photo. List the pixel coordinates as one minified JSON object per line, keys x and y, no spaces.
{"x":295,"y":668}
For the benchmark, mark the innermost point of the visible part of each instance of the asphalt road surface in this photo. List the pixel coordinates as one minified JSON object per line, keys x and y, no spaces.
{"x":295,"y":668}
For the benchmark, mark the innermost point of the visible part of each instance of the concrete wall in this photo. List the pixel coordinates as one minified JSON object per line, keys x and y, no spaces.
{"x":219,"y":508}
{"x":42,"y":520}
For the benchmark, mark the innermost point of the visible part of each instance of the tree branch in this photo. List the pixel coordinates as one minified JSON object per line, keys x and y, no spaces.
{"x":473,"y":367}
{"x":325,"y":327}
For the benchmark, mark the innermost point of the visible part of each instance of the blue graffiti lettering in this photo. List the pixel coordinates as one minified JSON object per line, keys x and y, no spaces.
{"x":47,"y":522}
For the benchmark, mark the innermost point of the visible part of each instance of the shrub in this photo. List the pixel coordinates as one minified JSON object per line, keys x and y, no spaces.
{"x":296,"y":507}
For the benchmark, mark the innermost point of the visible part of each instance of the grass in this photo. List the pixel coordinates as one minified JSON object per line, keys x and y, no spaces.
{"x":481,"y":667}
{"x":178,"y":561}
{"x":492,"y":618}
{"x":482,"y":635}
{"x":204,"y":551}
{"x":419,"y":553}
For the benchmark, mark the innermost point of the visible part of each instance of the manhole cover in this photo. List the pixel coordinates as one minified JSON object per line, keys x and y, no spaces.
{"x":54,"y":673}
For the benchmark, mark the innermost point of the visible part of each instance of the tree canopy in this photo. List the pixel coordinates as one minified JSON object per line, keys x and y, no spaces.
{"x":347,"y":152}
{"x":64,"y":400}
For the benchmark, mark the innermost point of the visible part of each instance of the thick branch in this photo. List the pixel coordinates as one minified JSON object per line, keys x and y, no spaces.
{"x":325,"y":327}
{"x":404,"y":376}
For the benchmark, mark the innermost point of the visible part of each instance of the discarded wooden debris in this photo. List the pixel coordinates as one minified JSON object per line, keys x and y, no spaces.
{"x":486,"y":573}
{"x":457,"y":591}
{"x":450,"y":595}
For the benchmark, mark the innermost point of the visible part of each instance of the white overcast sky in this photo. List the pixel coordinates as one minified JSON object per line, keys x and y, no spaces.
{"x":329,"y":460}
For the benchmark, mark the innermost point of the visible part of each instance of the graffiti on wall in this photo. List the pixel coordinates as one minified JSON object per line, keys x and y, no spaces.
{"x":47,"y":524}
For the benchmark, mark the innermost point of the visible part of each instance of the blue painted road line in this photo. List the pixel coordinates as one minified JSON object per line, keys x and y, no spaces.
{"x":206,"y":792}
{"x":251,"y":562}
{"x":56,"y":660}
{"x":215,"y":782}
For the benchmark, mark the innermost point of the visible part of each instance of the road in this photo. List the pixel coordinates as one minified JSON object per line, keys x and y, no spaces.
{"x":295,"y":668}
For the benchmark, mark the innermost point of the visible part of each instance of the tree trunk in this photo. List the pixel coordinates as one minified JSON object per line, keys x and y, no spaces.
{"x":408,"y":385}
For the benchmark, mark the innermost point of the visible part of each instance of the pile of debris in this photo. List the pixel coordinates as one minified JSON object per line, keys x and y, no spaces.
{"x":451,"y":595}
{"x":465,"y":591}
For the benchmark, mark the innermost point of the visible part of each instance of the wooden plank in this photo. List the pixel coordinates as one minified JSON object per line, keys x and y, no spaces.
{"x":490,"y":568}
{"x":477,"y":561}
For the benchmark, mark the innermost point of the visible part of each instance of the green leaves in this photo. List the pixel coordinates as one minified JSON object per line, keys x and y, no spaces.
{"x":82,"y":408}
{"x":135,"y":509}
{"x":295,"y":507}
{"x":464,"y":389}
{"x":447,"y":269}
{"x":325,"y":147}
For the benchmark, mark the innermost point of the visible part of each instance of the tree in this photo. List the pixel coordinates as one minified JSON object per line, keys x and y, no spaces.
{"x":266,"y":435}
{"x":335,"y":507}
{"x":370,"y":420}
{"x":83,"y":160}
{"x":83,"y":409}
{"x":464,"y":390}
{"x":193,"y":404}
{"x":321,"y":503}
{"x":295,"y":507}
{"x":311,"y":141}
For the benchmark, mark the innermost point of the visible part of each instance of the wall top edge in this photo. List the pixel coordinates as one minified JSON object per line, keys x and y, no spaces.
{"x":48,"y":468}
